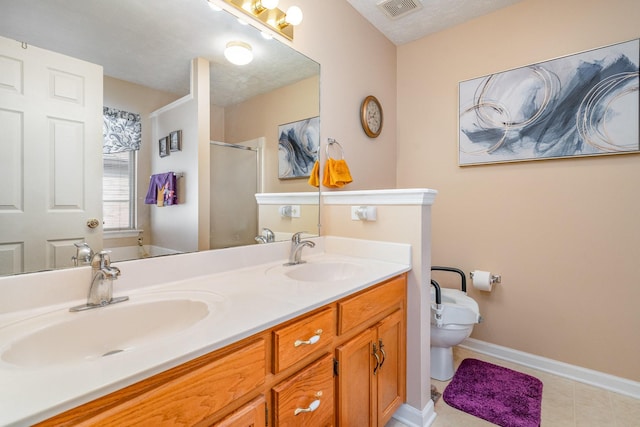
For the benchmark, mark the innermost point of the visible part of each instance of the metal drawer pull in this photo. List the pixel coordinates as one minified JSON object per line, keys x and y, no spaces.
{"x":314,"y":405}
{"x":314,"y":339}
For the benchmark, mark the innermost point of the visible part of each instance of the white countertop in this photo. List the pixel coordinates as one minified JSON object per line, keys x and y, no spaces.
{"x":252,"y":298}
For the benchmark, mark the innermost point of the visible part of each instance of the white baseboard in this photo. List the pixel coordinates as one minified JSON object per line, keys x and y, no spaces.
{"x":576,"y":373}
{"x":412,"y":417}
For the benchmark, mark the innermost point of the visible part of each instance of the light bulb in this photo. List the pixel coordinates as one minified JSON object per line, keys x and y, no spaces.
{"x":294,"y":15}
{"x":238,"y":53}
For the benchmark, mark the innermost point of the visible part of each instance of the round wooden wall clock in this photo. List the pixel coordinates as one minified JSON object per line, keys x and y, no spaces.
{"x":371,"y":116}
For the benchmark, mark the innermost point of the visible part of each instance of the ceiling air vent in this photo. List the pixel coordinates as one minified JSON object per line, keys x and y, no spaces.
{"x":397,"y":8}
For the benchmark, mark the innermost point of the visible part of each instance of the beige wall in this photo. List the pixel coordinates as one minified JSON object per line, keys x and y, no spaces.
{"x":261,"y":115}
{"x":563,"y":233}
{"x":355,"y":61}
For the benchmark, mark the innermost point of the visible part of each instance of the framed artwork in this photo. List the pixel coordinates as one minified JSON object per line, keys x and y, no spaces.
{"x":163,"y":146}
{"x":175,"y":140}
{"x":578,"y":105}
{"x":298,"y":144}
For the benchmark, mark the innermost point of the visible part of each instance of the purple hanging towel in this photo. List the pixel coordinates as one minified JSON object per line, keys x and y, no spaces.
{"x":166,"y":181}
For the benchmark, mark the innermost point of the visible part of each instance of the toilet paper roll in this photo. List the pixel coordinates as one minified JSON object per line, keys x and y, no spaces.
{"x":482,"y":280}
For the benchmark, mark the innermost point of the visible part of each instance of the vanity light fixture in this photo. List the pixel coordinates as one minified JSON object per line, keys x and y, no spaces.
{"x":267,"y":12}
{"x":238,"y":53}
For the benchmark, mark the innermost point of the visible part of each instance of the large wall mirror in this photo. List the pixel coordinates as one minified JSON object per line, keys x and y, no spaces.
{"x":62,"y":62}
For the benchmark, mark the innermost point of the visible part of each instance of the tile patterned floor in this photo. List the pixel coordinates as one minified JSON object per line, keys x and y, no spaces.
{"x":565,"y":403}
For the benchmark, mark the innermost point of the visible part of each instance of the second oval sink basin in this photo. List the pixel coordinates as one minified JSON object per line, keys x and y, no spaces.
{"x":326,"y":271}
{"x":64,"y":337}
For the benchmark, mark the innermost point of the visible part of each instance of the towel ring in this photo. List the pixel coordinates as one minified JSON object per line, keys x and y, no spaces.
{"x":332,"y":141}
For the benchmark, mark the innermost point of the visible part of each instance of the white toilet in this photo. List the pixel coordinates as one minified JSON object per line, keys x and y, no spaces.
{"x":457,"y":315}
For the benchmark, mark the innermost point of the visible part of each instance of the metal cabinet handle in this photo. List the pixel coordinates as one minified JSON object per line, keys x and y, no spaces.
{"x":314,"y":339}
{"x":314,"y":405}
{"x":384,"y":355}
{"x":375,"y":354}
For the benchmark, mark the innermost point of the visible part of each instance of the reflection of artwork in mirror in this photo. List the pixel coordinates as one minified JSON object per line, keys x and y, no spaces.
{"x":175,"y":140}
{"x":298,"y":148}
{"x":579,"y":105}
{"x":163,"y":146}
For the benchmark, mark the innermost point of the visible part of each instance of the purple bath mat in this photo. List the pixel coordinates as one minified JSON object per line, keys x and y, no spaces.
{"x":496,"y":394}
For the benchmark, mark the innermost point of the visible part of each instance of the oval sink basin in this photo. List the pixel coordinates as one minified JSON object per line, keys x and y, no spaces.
{"x":328,"y":271}
{"x":65,"y":337}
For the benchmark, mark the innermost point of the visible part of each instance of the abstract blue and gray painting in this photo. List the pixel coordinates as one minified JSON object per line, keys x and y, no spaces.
{"x":298,"y":144}
{"x":578,"y":105}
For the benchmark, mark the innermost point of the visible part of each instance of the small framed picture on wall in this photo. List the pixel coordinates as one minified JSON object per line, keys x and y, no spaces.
{"x":175,"y":140}
{"x":163,"y":146}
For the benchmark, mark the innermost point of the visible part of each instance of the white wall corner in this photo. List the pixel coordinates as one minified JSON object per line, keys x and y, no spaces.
{"x":412,"y":417}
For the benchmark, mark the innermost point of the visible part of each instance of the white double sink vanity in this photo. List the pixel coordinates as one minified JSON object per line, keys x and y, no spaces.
{"x":186,"y":308}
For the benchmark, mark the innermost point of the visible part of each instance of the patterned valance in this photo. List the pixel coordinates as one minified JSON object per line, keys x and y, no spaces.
{"x":121,"y":131}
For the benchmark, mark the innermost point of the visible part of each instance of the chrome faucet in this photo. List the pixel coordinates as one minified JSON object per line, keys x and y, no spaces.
{"x":267,"y":236}
{"x":296,"y":248}
{"x":101,"y":289}
{"x":83,"y":255}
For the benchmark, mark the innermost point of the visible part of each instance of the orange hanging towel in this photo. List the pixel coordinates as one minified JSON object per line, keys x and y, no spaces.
{"x":336,"y":173}
{"x":314,"y":178}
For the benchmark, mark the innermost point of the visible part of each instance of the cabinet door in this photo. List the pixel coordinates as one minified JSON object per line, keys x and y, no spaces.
{"x":253,"y":414}
{"x":391,"y":372}
{"x":356,"y":382}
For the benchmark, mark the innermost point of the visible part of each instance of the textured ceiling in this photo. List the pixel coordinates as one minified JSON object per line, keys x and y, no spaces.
{"x":435,"y":15}
{"x":153,"y":46}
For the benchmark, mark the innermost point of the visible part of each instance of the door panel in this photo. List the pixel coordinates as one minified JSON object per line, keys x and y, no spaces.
{"x":391,"y":376}
{"x":356,"y":384}
{"x":51,"y":115}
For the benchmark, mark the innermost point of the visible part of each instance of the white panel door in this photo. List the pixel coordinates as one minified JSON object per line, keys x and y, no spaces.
{"x":50,"y":155}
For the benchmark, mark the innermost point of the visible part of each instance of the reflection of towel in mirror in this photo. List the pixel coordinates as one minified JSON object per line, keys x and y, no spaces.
{"x":314,"y":178}
{"x":162,"y":190}
{"x":336,"y":173}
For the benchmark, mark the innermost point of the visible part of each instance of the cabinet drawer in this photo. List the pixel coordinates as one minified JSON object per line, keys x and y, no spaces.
{"x":192,"y":396}
{"x":366,"y":306}
{"x":307,"y":397}
{"x":298,"y":340}
{"x":250,"y":415}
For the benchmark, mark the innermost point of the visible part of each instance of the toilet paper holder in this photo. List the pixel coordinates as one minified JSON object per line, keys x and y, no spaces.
{"x":495,"y":278}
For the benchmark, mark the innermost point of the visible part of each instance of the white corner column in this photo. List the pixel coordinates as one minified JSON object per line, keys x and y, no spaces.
{"x":403,"y":216}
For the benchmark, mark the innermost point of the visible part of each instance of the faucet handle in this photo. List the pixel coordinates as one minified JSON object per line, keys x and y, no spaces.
{"x":101,"y":259}
{"x":296,"y":237}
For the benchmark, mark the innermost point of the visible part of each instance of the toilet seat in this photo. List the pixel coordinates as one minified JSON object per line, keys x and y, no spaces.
{"x":457,"y":308}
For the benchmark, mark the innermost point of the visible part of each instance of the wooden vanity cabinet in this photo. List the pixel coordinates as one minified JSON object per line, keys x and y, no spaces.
{"x":185,"y":395}
{"x":371,"y":366}
{"x":284,"y":376}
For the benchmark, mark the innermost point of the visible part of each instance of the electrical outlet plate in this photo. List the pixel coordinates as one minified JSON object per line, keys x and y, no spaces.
{"x":364,"y":213}
{"x":295,"y":211}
